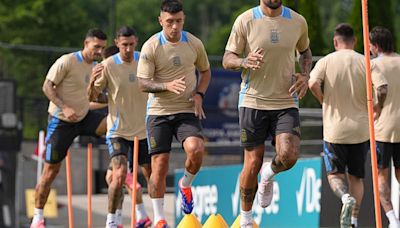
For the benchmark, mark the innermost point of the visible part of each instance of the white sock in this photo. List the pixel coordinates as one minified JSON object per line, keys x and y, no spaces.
{"x":118,"y":214}
{"x":140,"y":211}
{"x":158,"y":207}
{"x":354,"y":221}
{"x":37,"y":215}
{"x":344,"y":197}
{"x":246,"y":217}
{"x":392,"y":217}
{"x":267,"y":173}
{"x":187,"y":179}
{"x":111,"y":218}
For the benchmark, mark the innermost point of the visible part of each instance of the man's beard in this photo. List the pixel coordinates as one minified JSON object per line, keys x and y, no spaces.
{"x":273,"y":5}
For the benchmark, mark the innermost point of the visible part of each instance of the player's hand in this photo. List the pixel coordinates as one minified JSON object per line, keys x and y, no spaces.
{"x":69,"y":113}
{"x":176,"y":86}
{"x":96,"y":72}
{"x":377,"y":112}
{"x":300,"y":86}
{"x":198,"y":106}
{"x":254,"y":59}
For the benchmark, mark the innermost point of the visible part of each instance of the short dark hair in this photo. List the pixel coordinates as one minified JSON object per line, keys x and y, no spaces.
{"x":126,"y":31}
{"x":109,"y":51}
{"x":171,"y":6}
{"x":382,"y":37}
{"x":96,"y":33}
{"x":345,"y":31}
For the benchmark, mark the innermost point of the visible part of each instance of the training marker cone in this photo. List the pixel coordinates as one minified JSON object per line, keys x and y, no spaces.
{"x":215,"y":221}
{"x":189,"y":221}
{"x":236,"y":223}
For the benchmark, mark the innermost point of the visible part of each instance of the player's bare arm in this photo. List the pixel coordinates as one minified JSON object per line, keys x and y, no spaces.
{"x":316,"y":90}
{"x":92,"y":92}
{"x":301,"y":85}
{"x":381,"y":94}
{"x":198,"y":95}
{"x":150,"y":86}
{"x":50,"y":91}
{"x":254,"y":60}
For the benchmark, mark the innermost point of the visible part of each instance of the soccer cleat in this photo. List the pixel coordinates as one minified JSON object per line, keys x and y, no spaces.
{"x":143,"y":223}
{"x":265,"y":191}
{"x":187,"y":199}
{"x":345,"y":214}
{"x":39,"y":224}
{"x":111,"y":224}
{"x":161,"y":224}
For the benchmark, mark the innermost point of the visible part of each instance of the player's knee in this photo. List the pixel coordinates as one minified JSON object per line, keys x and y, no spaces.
{"x":51,"y":172}
{"x":254,"y":165}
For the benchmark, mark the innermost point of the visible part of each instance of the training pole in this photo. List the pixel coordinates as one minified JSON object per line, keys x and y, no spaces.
{"x":134,"y":179}
{"x":371,"y":114}
{"x":69,"y":192}
{"x":89,"y":185}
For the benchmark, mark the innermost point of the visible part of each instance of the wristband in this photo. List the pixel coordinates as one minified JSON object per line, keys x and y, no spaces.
{"x":201,"y":94}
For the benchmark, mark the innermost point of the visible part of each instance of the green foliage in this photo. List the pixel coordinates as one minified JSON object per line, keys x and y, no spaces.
{"x":378,"y":14}
{"x":310,"y":10}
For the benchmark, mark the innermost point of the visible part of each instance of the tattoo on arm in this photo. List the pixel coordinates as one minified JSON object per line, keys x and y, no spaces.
{"x":305,"y":61}
{"x":247,"y":194}
{"x":150,"y":86}
{"x":338,"y":186}
{"x":50,"y":92}
{"x":382,"y":92}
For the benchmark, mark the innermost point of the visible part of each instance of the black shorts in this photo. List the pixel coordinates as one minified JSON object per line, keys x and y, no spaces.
{"x":256,"y":125}
{"x":121,"y":146}
{"x":60,"y":134}
{"x":385,"y":151}
{"x":161,"y":129}
{"x":339,"y":157}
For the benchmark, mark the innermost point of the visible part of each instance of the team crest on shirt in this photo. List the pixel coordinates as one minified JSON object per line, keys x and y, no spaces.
{"x":87,"y":78}
{"x":176,"y":61}
{"x":274,"y":36}
{"x":132,"y":77}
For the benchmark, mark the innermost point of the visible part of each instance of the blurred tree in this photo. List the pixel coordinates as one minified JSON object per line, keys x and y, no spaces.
{"x":310,"y":10}
{"x":378,"y":14}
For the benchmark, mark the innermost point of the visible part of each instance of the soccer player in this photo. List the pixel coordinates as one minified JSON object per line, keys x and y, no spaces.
{"x":69,"y":115}
{"x":387,"y":114}
{"x":345,"y":120}
{"x":166,"y":70}
{"x":126,"y":119}
{"x":262,"y":43}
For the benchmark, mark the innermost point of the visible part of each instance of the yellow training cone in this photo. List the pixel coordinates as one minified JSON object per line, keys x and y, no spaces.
{"x":215,"y":221}
{"x":189,"y":221}
{"x":236,"y":223}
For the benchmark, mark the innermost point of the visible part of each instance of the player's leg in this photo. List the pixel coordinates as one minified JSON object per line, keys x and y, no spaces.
{"x":254,"y":125}
{"x":118,"y":212}
{"x":159,"y":132}
{"x":384,"y":153}
{"x":118,"y":149}
{"x":59,"y":137}
{"x":285,"y":127}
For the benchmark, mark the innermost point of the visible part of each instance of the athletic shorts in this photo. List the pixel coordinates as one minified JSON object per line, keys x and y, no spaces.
{"x":340,"y":158}
{"x":120,"y":146}
{"x":385,"y":151}
{"x":60,"y":134}
{"x":256,"y":125}
{"x":161,"y":129}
